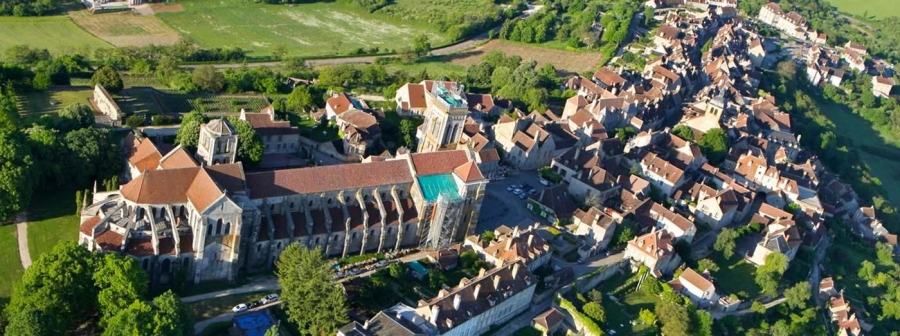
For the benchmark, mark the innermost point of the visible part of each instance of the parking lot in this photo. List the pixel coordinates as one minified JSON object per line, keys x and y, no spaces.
{"x":501,"y":207}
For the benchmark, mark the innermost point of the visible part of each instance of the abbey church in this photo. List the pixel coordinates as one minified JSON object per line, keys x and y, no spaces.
{"x":202,"y":216}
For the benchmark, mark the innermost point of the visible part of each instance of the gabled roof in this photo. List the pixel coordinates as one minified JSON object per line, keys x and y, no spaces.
{"x":178,"y":158}
{"x":442,"y":162}
{"x":327,"y":178}
{"x":689,"y":276}
{"x":145,"y":156}
{"x":220,"y":126}
{"x":468,"y":172}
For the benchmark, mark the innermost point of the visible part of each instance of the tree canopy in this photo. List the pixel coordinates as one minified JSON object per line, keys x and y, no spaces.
{"x":714,"y":145}
{"x":207,"y":78}
{"x":311,"y":298}
{"x":189,"y":133}
{"x":250,"y":147}
{"x":107,"y":77}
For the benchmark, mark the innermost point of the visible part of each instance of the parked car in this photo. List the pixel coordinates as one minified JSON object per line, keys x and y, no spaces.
{"x":254,"y":304}
{"x":511,"y":188}
{"x":239,"y":308}
{"x":518,"y":192}
{"x":544,"y":182}
{"x":532,"y":191}
{"x":523,"y":195}
{"x":270,"y":298}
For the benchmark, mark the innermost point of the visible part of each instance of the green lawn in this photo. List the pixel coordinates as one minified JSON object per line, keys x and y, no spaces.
{"x":35,"y":104}
{"x":217,"y":306}
{"x":310,"y":29}
{"x":313,"y":130}
{"x":51,"y":219}
{"x":619,"y":315}
{"x":735,"y":276}
{"x":870,"y":8}
{"x":869,"y":141}
{"x":9,"y":261}
{"x":435,"y":67}
{"x":56,"y":33}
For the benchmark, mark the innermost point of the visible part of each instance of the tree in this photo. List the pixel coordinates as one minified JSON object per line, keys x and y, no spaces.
{"x":397,"y":270}
{"x":595,"y":296}
{"x":770,"y":272}
{"x":714,"y":145}
{"x":758,"y":307}
{"x":30,"y":323}
{"x":279,"y":50}
{"x":121,"y":281}
{"x":135,"y":121}
{"x":866,"y":270}
{"x":189,"y":133}
{"x":595,"y":311}
{"x":652,"y":286}
{"x":76,"y":116}
{"x":648,"y":16}
{"x":725,"y":242}
{"x":59,"y":285}
{"x":674,"y":318}
{"x":625,"y":133}
{"x":250,"y":146}
{"x":136,"y":319}
{"x":683,"y":132}
{"x":273,"y":331}
{"x":96,"y":153}
{"x":702,"y":323}
{"x":172,"y":317}
{"x":300,"y":99}
{"x":797,"y":296}
{"x":647,"y":316}
{"x":208,"y":78}
{"x":421,"y":46}
{"x":311,"y":299}
{"x":16,"y":177}
{"x":41,"y":81}
{"x":107,"y":77}
{"x":706,"y":264}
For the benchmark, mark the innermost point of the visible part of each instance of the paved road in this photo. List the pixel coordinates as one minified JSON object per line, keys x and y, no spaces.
{"x":199,"y":326}
{"x":22,"y":236}
{"x":269,"y":283}
{"x":591,"y":264}
{"x":718,"y":314}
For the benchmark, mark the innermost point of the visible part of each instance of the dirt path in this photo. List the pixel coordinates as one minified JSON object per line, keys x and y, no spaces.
{"x":22,"y":235}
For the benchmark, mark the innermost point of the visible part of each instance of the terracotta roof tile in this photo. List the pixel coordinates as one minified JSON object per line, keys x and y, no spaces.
{"x":374,"y":215}
{"x":281,"y":227}
{"x":318,"y":218}
{"x":409,"y":210}
{"x":186,"y":243}
{"x":140,"y":246}
{"x":392,"y":216}
{"x":88,"y":226}
{"x":229,"y":176}
{"x":469,"y":172}
{"x":145,"y":156}
{"x":438,"y":162}
{"x":356,"y":219}
{"x":337,"y":219}
{"x":340,"y":103}
{"x":178,"y":158}
{"x":299,"y":219}
{"x":167,"y":246}
{"x":109,"y":240}
{"x":489,"y":155}
{"x":327,"y":178}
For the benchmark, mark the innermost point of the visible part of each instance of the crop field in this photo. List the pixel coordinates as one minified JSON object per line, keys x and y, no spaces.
{"x":313,"y":29}
{"x":870,"y":8}
{"x":211,"y":105}
{"x":56,"y":33}
{"x":125,"y":29}
{"x":570,"y":61}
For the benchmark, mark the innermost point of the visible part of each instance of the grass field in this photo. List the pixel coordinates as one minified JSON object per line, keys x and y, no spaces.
{"x":51,"y":219}
{"x":126,"y":29}
{"x":735,"y":276}
{"x":569,"y":61}
{"x":35,"y":104}
{"x":312,"y":29}
{"x":9,"y":261}
{"x":56,"y":33}
{"x":853,"y":126}
{"x":869,"y":8}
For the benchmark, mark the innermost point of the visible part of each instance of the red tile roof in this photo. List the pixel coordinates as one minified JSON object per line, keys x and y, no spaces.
{"x":281,"y":227}
{"x":469,"y":172}
{"x":327,"y":178}
{"x":186,"y":243}
{"x":299,"y":219}
{"x":438,"y":162}
{"x":340,"y":103}
{"x":109,"y":240}
{"x":356,"y":219}
{"x":140,"y":247}
{"x":374,"y":215}
{"x":88,"y":226}
{"x":167,"y":246}
{"x":178,"y":158}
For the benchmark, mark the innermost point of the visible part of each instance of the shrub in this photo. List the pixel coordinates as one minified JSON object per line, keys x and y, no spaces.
{"x":595,"y":311}
{"x":135,"y":121}
{"x":589,"y":325}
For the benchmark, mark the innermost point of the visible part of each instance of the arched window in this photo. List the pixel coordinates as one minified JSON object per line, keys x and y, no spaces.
{"x":329,"y":201}
{"x":292,"y":205}
{"x":278,"y":245}
{"x":185,"y":262}
{"x":258,"y":247}
{"x":372,"y":233}
{"x":310,"y":203}
{"x":166,"y":265}
{"x":219,"y":227}
{"x":347,"y":199}
{"x":209,"y":230}
{"x":227,"y":228}
{"x":146,"y":264}
{"x":353,"y":236}
{"x":317,"y":241}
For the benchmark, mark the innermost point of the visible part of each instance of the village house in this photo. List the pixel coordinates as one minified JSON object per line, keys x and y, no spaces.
{"x":341,"y":102}
{"x":792,"y":23}
{"x":595,"y":229}
{"x":360,"y":132}
{"x":550,"y":322}
{"x":476,"y":305}
{"x":552,"y":204}
{"x":882,"y":86}
{"x":782,"y":236}
{"x":656,"y":250}
{"x":654,"y":215}
{"x":854,"y":60}
{"x":512,"y":245}
{"x":696,"y":286}
{"x":843,"y":315}
{"x":660,"y":172}
{"x":398,"y":320}
{"x":583,"y":175}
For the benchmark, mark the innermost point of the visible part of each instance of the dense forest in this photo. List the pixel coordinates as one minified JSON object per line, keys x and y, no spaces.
{"x":28,"y":7}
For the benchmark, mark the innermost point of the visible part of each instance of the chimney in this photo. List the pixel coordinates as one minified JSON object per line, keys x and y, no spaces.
{"x":457,"y":299}
{"x":497,"y":281}
{"x":477,"y":290}
{"x":515,"y":270}
{"x":530,"y":239}
{"x":509,"y":242}
{"x":435,"y":310}
{"x":515,"y":233}
{"x":481,"y":272}
{"x":577,"y":151}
